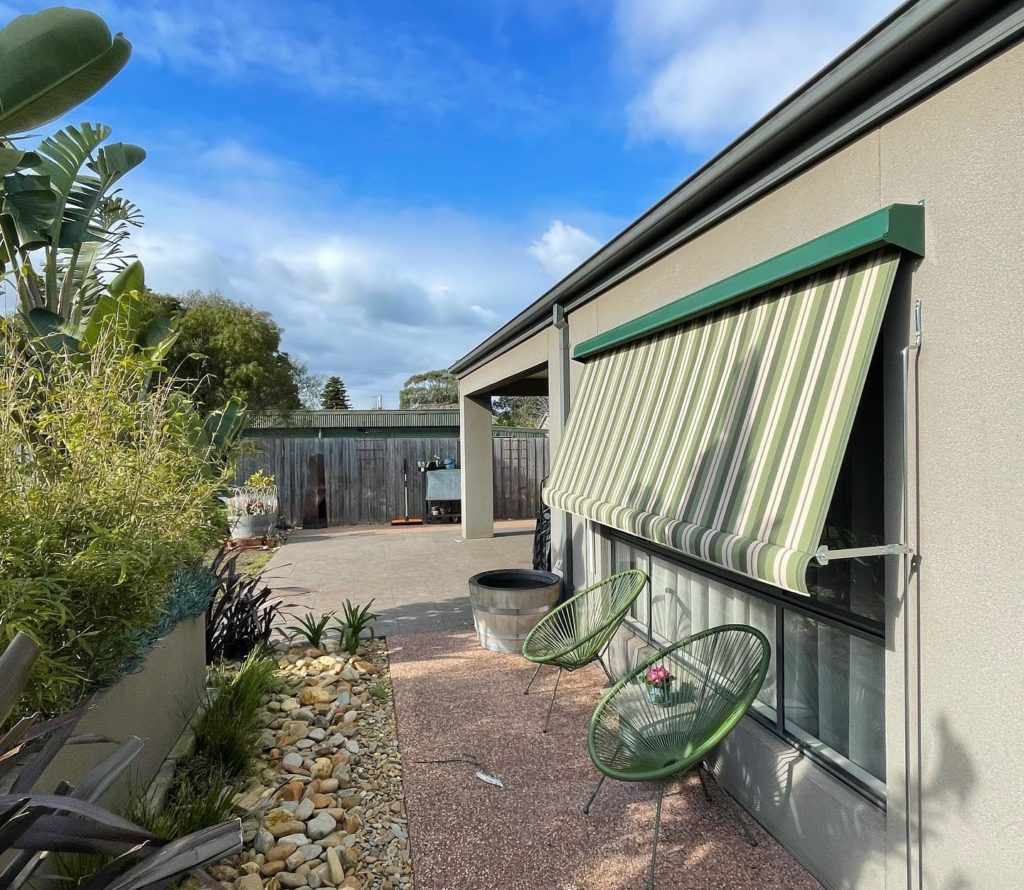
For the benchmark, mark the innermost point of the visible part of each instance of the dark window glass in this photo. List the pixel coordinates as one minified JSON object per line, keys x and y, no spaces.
{"x":856,"y":516}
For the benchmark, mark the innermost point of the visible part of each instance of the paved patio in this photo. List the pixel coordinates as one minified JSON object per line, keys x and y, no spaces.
{"x":454,"y":699}
{"x":417,"y":575}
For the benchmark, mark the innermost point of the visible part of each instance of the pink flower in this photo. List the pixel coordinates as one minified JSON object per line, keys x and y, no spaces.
{"x":658,"y":675}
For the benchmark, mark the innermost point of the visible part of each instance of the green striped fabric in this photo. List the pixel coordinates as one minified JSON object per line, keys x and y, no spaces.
{"x":722,"y":438}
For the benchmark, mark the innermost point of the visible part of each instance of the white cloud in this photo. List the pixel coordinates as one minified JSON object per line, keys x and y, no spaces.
{"x":703,"y":72}
{"x":373,"y":294}
{"x":325,"y":49}
{"x":562,"y":248}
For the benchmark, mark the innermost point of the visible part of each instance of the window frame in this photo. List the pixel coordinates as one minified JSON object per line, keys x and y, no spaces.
{"x":856,"y":625}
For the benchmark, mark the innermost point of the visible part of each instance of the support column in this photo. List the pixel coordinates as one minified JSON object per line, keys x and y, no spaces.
{"x":477,"y":467}
{"x":558,"y":412}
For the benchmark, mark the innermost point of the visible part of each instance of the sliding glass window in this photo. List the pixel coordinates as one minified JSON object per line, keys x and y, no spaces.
{"x":827,"y":649}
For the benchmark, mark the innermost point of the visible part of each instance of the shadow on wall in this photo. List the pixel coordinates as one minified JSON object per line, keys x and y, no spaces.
{"x":774,"y":791}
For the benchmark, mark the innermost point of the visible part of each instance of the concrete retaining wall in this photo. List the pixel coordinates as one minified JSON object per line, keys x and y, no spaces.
{"x":154,"y":704}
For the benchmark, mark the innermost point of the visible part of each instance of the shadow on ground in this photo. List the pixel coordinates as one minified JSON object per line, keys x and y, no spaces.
{"x":454,"y":699}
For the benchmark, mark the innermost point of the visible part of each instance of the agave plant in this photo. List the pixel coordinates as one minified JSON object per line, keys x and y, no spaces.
{"x":353,"y":623}
{"x":312,"y":628}
{"x":69,"y":820}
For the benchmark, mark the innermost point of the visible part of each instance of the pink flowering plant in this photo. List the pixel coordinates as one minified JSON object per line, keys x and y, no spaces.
{"x":658,"y":675}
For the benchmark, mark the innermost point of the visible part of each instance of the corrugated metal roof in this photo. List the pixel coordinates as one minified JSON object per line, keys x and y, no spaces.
{"x":385,"y":419}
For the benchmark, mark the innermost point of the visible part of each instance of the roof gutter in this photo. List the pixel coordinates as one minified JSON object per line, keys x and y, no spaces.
{"x":921,"y":46}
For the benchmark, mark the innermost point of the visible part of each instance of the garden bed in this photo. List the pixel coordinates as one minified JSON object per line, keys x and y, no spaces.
{"x":328,"y":804}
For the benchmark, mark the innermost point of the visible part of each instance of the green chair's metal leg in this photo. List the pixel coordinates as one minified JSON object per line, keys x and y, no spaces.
{"x":534,"y":677}
{"x":590,"y":800}
{"x":551,"y":703}
{"x":703,"y":784}
{"x":657,"y":825}
{"x":607,"y":672}
{"x":735,"y":810}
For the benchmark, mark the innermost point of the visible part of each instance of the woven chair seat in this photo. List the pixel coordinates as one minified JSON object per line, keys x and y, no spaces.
{"x":717,"y":675}
{"x":575,"y":633}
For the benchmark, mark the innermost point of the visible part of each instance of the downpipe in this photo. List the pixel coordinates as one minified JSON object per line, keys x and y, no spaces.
{"x":911,"y":667}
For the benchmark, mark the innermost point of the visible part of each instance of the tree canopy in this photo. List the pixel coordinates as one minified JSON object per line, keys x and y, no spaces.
{"x":521,"y":411}
{"x":231,"y":350}
{"x":335,"y":395}
{"x":431,"y":389}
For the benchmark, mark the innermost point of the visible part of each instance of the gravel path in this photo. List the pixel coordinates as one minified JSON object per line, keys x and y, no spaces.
{"x":453,"y":699}
{"x":327,"y":808}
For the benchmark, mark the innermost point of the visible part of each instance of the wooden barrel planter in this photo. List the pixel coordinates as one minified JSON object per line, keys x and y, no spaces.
{"x":507,"y":603}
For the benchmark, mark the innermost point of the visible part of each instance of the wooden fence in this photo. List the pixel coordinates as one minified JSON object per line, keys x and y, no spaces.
{"x":364,"y":476}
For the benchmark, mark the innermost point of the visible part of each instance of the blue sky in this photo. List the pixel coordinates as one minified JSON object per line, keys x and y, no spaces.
{"x":393,"y":180}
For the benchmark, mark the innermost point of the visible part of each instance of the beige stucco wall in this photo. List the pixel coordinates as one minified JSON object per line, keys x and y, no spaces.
{"x":477,"y":505}
{"x":154,"y":704}
{"x":520,"y":358}
{"x":961,"y":152}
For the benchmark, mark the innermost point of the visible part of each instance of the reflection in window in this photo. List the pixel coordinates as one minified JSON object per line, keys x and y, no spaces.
{"x":685,"y":602}
{"x":834,"y":685}
{"x":835,"y":692}
{"x":856,"y":516}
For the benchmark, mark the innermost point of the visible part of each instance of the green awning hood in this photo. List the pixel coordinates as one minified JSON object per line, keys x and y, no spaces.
{"x":722,"y":436}
{"x":899,"y":226}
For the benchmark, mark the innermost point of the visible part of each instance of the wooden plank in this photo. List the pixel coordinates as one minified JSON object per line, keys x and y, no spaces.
{"x":364,"y":476}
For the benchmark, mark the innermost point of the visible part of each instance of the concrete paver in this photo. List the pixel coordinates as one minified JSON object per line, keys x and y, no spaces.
{"x":417,"y":575}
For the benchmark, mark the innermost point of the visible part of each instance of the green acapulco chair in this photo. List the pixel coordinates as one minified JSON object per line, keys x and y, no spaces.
{"x":575,"y":633}
{"x":718,"y":673}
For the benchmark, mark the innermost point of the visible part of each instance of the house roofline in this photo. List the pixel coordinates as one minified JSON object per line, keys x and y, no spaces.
{"x":920,"y":47}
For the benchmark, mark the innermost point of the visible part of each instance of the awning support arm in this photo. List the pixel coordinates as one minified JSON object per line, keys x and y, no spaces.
{"x":824,"y":556}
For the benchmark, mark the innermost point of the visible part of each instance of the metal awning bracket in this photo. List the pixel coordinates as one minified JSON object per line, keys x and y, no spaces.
{"x":824,"y":556}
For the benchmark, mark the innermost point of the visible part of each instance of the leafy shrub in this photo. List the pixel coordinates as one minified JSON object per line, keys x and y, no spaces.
{"x":353,"y":622}
{"x":105,"y":496}
{"x":200,"y":795}
{"x":260,"y":479}
{"x":241,"y":615}
{"x":311,"y":628}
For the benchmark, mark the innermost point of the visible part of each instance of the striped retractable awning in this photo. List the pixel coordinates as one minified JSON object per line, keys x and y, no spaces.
{"x":723,"y":437}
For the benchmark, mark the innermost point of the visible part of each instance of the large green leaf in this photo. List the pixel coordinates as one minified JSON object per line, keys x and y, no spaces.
{"x":132,"y":277}
{"x":30,"y":202}
{"x":12,"y":159}
{"x":42,"y":322}
{"x":82,"y":271}
{"x":89,"y":191}
{"x":52,"y":61}
{"x":66,"y":152}
{"x":222,"y":428}
{"x":50,"y":332}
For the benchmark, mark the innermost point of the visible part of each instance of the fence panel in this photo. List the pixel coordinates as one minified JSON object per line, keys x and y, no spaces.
{"x":364,"y":476}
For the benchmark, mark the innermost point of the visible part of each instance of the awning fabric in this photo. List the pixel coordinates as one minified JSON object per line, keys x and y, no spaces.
{"x":723,"y":437}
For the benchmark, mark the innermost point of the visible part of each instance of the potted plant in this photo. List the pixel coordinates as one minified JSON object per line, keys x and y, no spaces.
{"x":252,"y":507}
{"x":658,"y":681}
